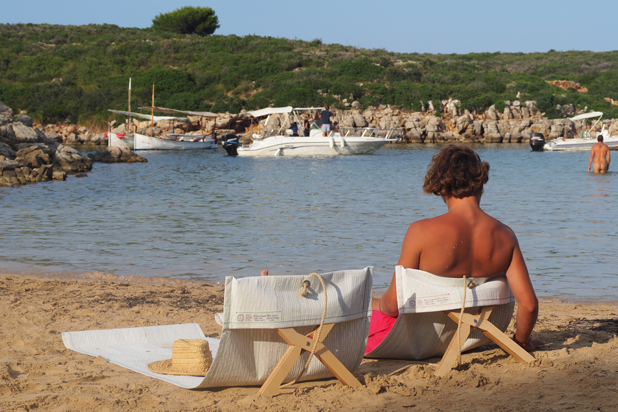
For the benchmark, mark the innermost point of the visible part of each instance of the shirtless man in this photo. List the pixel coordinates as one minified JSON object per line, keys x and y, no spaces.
{"x":600,"y":155}
{"x":465,"y":240}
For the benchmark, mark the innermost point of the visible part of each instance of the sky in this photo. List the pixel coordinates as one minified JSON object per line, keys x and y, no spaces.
{"x":406,"y":26}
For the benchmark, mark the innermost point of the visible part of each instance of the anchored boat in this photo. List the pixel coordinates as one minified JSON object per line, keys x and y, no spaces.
{"x":176,"y":141}
{"x":284,"y":141}
{"x":588,"y":138}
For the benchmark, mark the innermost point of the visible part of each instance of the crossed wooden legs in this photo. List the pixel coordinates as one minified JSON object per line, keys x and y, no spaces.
{"x":479,"y":321}
{"x":299,"y":343}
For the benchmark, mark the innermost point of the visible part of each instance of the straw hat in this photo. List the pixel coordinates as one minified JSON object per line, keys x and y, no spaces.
{"x":190,"y":357}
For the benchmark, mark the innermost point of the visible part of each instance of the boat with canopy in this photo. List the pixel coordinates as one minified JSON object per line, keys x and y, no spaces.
{"x":283,"y":139}
{"x":588,"y":139}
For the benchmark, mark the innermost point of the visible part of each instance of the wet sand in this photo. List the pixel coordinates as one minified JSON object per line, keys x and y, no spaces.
{"x":577,"y":369}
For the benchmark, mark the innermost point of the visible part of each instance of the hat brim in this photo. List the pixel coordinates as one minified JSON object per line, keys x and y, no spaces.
{"x":164,"y":367}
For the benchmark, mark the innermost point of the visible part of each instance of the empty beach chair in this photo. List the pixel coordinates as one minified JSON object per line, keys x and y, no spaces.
{"x":269,"y":331}
{"x":429,"y":312}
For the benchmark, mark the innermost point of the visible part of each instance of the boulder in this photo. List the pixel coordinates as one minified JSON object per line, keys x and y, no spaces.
{"x":7,"y":135}
{"x":6,"y":114}
{"x":33,"y":157}
{"x":541,"y":126}
{"x":116,"y":154}
{"x":359,"y":120}
{"x":54,"y":136}
{"x":23,"y":133}
{"x":58,"y":174}
{"x":491,"y":113}
{"x":8,"y":165}
{"x":490,"y":127}
{"x":70,"y":160}
{"x":97,"y":138}
{"x":478,"y":127}
{"x":25,"y":120}
{"x":6,"y":151}
{"x":507,"y":113}
{"x":516,"y":111}
{"x":356,"y":105}
{"x":72,"y":139}
{"x":347,"y":121}
{"x":462,"y":123}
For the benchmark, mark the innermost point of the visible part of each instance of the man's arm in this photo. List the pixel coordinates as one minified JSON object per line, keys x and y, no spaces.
{"x":609,"y":158}
{"x":591,"y":158}
{"x":527,"y":303}
{"x":409,"y":258}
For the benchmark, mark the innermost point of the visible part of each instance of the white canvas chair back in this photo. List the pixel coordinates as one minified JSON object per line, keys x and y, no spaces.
{"x":250,"y":346}
{"x":423,"y":329}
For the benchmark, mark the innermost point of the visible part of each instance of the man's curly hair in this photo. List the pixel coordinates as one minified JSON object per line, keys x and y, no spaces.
{"x":456,"y":171}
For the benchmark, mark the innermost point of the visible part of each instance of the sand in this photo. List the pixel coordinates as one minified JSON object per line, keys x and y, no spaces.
{"x":577,"y":370}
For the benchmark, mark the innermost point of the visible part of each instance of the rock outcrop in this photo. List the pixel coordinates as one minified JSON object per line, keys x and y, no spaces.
{"x":116,"y":154}
{"x":27,"y":155}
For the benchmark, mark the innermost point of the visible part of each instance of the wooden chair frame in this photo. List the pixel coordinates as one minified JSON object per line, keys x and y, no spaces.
{"x":478,"y":321}
{"x":299,"y":343}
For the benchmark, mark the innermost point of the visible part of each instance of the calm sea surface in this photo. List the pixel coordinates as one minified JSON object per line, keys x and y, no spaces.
{"x":204,"y":215}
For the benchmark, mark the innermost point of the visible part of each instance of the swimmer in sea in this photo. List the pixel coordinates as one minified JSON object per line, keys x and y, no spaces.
{"x":600,"y":155}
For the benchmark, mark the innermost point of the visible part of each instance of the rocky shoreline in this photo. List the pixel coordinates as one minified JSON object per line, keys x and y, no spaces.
{"x":28,"y":155}
{"x":433,"y":125}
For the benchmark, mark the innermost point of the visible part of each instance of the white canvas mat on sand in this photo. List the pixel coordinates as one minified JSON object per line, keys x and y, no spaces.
{"x":250,"y":347}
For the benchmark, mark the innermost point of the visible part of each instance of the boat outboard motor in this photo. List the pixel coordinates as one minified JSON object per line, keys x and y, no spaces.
{"x":230,"y":144}
{"x":537,"y":141}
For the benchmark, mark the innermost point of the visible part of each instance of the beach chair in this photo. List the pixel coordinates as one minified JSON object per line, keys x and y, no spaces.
{"x":268,"y":332}
{"x":429,"y":313}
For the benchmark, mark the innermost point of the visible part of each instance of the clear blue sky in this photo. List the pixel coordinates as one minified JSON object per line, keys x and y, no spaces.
{"x":447,"y":26}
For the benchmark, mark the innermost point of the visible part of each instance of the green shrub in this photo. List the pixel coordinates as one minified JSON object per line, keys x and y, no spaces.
{"x":188,"y":20}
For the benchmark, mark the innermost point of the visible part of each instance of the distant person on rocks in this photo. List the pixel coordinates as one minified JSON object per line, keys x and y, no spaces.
{"x":326,"y":115}
{"x":600,"y":156}
{"x":307,"y":125}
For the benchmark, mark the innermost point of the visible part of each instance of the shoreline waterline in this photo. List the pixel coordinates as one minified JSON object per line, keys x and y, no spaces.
{"x":145,"y":280}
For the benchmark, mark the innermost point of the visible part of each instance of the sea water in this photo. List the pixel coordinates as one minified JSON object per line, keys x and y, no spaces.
{"x":203,"y":215}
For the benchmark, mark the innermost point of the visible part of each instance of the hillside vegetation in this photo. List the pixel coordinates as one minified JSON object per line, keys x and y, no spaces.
{"x":75,"y":73}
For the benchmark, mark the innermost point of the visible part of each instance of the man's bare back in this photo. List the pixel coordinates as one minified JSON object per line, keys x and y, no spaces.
{"x":464,"y":241}
{"x":599,"y":157}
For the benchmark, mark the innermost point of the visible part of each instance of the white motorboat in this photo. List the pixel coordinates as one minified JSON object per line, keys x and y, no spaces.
{"x":587,"y":140}
{"x":282,"y":142}
{"x":174,"y":142}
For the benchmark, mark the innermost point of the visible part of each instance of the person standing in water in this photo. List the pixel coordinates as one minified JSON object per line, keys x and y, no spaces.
{"x":600,"y":155}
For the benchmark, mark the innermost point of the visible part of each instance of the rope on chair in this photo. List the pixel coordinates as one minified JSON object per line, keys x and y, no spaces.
{"x":304,"y":291}
{"x":463,"y":306}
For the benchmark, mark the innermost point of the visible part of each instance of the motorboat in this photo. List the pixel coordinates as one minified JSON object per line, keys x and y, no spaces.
{"x":282,"y":141}
{"x":588,"y":138}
